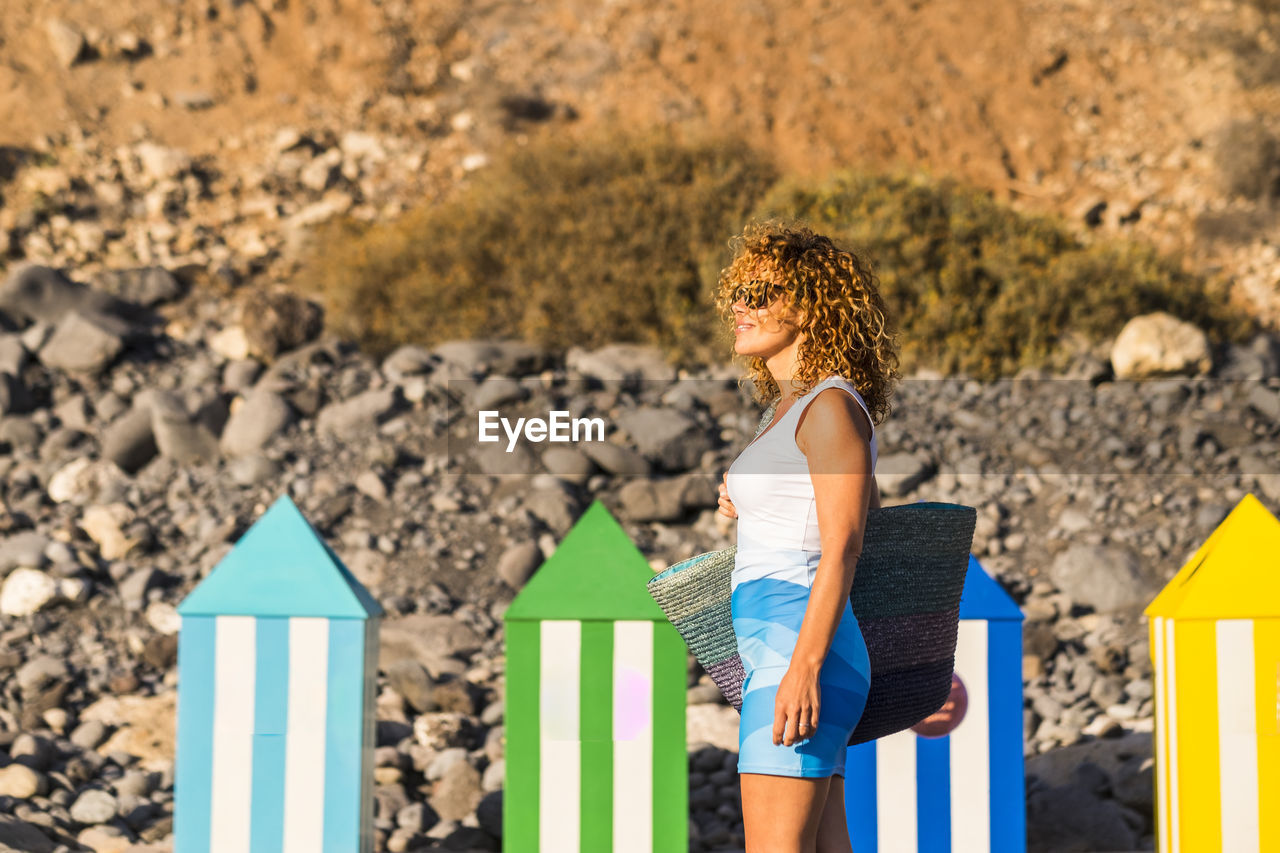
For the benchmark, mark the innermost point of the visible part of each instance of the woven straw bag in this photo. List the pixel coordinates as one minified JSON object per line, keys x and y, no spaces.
{"x":906,"y":597}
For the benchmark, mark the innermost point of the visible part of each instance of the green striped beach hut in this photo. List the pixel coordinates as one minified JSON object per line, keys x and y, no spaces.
{"x":595,"y":704}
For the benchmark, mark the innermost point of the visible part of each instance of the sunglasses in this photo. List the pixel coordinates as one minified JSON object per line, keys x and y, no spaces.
{"x":756,"y":298}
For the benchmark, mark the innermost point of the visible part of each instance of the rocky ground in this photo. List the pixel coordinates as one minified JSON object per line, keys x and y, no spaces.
{"x":172,"y":158}
{"x":144,"y":428}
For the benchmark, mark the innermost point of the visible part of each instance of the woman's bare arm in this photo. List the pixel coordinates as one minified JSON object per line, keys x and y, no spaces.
{"x":835,"y":437}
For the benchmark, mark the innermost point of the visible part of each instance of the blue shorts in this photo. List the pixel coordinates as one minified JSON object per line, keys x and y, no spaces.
{"x":767,"y":613}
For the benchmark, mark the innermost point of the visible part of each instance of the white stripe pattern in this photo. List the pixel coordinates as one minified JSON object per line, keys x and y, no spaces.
{"x":633,"y":736}
{"x":1162,"y":734}
{"x":970,"y":745}
{"x":1237,"y":736}
{"x":305,"y":734}
{"x":231,"y":797}
{"x":559,"y":768}
{"x":896,"y":793}
{"x":1171,"y":669}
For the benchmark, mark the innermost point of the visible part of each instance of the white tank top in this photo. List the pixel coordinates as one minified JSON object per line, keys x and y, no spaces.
{"x":772,"y":492}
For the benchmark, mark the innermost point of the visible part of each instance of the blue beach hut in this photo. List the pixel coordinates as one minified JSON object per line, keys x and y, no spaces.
{"x":954,"y":782}
{"x":277,"y":663}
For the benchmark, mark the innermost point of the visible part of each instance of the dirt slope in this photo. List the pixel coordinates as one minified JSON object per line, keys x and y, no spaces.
{"x":1059,"y":106}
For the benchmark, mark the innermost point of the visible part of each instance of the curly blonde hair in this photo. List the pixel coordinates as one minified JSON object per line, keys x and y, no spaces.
{"x":847,"y":331}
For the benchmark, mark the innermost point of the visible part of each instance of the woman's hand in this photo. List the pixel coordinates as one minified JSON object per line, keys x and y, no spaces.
{"x":726,"y":505}
{"x":795,"y":708}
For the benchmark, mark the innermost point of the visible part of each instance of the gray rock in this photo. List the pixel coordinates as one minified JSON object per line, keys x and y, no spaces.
{"x":1103,"y":577}
{"x":651,"y":500}
{"x":89,"y":734}
{"x":45,"y":295}
{"x":569,"y":464}
{"x":457,"y":793}
{"x":427,"y":638}
{"x":13,"y":354}
{"x":616,"y":459}
{"x":261,"y":416}
{"x":94,"y":806}
{"x":147,"y":286}
{"x":553,"y":507}
{"x":133,"y":589}
{"x":408,"y":360}
{"x":497,"y":391}
{"x":699,"y":491}
{"x":439,"y":730}
{"x":1264,"y":400}
{"x":488,"y":356}
{"x":495,"y":460}
{"x":38,"y":672}
{"x":22,"y":837}
{"x":494,"y":776}
{"x":239,"y":374}
{"x":81,"y":343}
{"x":1106,"y":691}
{"x":252,"y":469}
{"x":411,"y":680}
{"x":177,"y":433}
{"x":631,"y":365}
{"x":413,"y":818}
{"x":440,"y":763}
{"x":361,"y":413}
{"x":20,"y":432}
{"x":1257,"y":360}
{"x":666,"y":436}
{"x":21,"y":782}
{"x":279,"y":320}
{"x":899,"y":474}
{"x":1132,"y":784}
{"x":129,"y":441}
{"x":24,"y":548}
{"x":518,"y":563}
{"x":14,"y":396}
{"x":1071,"y":818}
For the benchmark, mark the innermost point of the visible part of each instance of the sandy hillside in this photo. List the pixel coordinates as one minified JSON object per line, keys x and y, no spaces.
{"x":1100,"y":110}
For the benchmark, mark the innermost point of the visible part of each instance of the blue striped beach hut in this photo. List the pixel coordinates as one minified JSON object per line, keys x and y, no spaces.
{"x":955,"y":782}
{"x":277,"y":663}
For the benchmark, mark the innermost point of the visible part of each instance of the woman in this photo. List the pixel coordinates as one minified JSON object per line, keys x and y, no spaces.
{"x":810,"y":320}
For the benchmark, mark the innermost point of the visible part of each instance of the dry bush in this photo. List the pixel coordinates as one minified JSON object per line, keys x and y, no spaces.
{"x":558,"y":242}
{"x":980,"y":289}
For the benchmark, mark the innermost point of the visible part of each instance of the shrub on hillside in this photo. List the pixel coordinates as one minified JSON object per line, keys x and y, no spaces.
{"x":557,"y":242}
{"x":980,"y":289}
{"x":622,"y":237}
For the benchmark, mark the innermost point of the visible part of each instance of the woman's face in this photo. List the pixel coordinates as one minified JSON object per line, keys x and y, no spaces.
{"x":761,"y":330}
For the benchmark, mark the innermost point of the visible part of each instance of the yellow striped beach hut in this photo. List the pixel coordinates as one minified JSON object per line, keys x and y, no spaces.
{"x":1215,"y":649}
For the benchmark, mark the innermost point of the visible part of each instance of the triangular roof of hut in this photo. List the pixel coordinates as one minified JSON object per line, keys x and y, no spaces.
{"x":281,"y":567}
{"x":597,"y":572}
{"x":984,"y":598}
{"x":1235,"y":574}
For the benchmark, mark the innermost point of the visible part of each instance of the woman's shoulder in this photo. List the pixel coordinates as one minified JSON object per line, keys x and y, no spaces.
{"x":842,"y":382}
{"x":832,"y":406}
